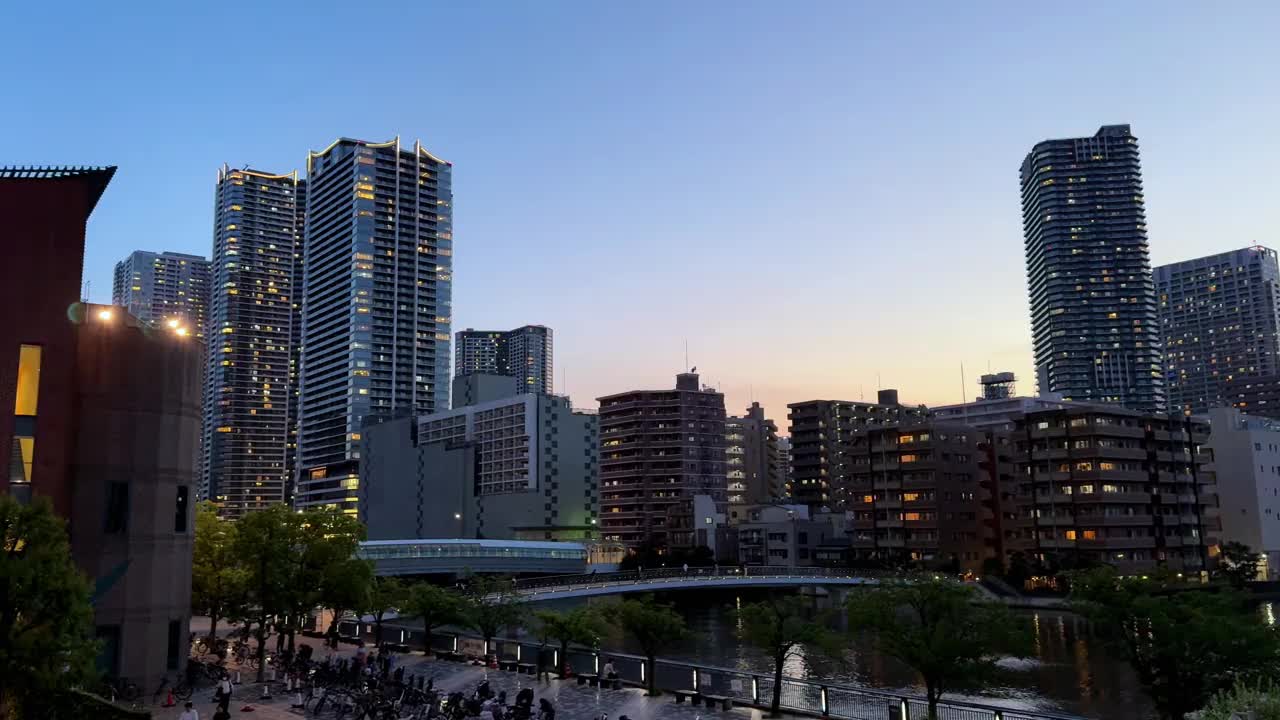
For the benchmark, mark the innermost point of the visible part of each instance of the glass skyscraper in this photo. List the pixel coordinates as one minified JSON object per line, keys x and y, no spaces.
{"x":1093,"y":304}
{"x":248,"y":413}
{"x":376,"y":304}
{"x":1220,"y":318}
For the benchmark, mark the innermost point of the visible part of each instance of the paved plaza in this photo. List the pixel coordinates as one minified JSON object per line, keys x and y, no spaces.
{"x":572,"y":701}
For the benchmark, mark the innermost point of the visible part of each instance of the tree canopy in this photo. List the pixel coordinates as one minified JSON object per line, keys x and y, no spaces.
{"x":46,"y":622}
{"x":1238,"y":564}
{"x":782,"y":627}
{"x":490,"y":604}
{"x":581,"y":625}
{"x":1184,"y":644}
{"x":434,"y":607}
{"x":936,"y":627}
{"x":653,"y":626}
{"x":217,"y":576}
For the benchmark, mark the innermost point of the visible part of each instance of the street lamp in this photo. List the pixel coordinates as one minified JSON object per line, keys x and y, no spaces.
{"x":104,"y":315}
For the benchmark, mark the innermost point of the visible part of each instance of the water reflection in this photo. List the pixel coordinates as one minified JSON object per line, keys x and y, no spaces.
{"x":1069,"y":672}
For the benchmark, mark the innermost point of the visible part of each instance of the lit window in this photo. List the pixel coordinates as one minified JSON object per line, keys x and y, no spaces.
{"x":28,"y":394}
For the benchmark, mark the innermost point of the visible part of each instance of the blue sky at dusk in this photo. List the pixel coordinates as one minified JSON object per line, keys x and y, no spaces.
{"x":813,"y":194}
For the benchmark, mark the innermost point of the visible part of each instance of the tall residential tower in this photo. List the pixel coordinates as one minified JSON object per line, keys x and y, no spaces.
{"x":376,"y":304}
{"x":1093,"y":304}
{"x":523,"y":353}
{"x":1220,"y":320}
{"x":161,"y":287}
{"x":257,"y":231}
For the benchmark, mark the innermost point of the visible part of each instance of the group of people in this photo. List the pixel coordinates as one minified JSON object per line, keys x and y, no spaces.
{"x":483,"y":704}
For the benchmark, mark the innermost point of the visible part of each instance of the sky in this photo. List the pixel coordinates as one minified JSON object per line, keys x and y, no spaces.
{"x":819,"y":198}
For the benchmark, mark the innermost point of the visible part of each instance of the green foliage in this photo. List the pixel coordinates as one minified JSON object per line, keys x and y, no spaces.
{"x":295,"y":561}
{"x":581,"y":625}
{"x":385,"y":594}
{"x":491,"y":604}
{"x":1238,"y":564}
{"x":434,"y":607}
{"x":782,"y":627}
{"x":1184,"y":644}
{"x":653,"y":626}
{"x":937,"y":628}
{"x":1261,"y":699}
{"x":46,"y":623}
{"x":218,"y":579}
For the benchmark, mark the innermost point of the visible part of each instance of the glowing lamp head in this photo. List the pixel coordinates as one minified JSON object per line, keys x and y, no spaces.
{"x":182,"y":332}
{"x":104,"y":315}
{"x":173,"y":324}
{"x":457,"y":516}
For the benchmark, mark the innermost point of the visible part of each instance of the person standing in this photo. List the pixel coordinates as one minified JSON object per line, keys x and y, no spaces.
{"x":223,"y":694}
{"x":189,"y":713}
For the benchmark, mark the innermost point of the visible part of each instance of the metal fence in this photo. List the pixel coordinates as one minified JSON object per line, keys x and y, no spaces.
{"x":809,"y":697}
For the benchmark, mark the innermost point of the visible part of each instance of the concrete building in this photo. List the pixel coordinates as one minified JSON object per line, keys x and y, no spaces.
{"x":786,"y":535}
{"x":922,"y":495}
{"x":1130,"y":489}
{"x":657,"y":448}
{"x":784,"y":465}
{"x":1220,"y":322}
{"x":503,"y":468}
{"x":697,"y":521}
{"x":524,"y":353}
{"x":105,"y":424}
{"x":752,"y":463}
{"x":998,"y":407}
{"x":250,"y":378}
{"x":164,"y":287}
{"x":1094,"y":319}
{"x":1246,"y":452}
{"x":821,"y":431}
{"x":377,"y":298}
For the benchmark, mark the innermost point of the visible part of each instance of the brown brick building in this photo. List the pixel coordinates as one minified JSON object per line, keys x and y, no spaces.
{"x":1107,"y":485}
{"x":657,"y":448}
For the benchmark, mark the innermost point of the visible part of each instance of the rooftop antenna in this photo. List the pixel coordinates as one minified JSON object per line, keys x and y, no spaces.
{"x":686,"y":354}
{"x":962,"y":385}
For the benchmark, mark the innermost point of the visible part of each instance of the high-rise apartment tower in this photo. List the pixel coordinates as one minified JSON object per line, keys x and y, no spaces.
{"x":523,"y":353}
{"x":1093,"y":304}
{"x":376,"y":304}
{"x":159,"y":288}
{"x":248,"y":385}
{"x":1220,"y":321}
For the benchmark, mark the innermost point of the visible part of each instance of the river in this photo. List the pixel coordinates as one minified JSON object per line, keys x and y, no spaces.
{"x":1069,"y":671}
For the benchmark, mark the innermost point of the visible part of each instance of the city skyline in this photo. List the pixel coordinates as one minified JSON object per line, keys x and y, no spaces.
{"x":841,"y":220}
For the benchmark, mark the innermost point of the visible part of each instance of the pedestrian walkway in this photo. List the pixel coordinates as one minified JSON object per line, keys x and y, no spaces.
{"x":571,"y":700}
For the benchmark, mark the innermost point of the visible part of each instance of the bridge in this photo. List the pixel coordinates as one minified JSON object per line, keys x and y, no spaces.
{"x":557,"y":587}
{"x":461,"y":556}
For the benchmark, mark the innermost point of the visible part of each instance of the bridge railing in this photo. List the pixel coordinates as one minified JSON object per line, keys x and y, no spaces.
{"x":728,"y":572}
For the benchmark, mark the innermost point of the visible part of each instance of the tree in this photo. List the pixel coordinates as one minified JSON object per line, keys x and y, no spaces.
{"x":46,"y":623}
{"x":434,"y":607}
{"x":344,"y":586}
{"x":1184,"y":644}
{"x":490,"y":605}
{"x":935,"y":627}
{"x":267,"y":541}
{"x":654,"y":627}
{"x":385,"y":594}
{"x":581,"y":625}
{"x":781,"y":627}
{"x":1238,"y":564}
{"x":217,"y":575}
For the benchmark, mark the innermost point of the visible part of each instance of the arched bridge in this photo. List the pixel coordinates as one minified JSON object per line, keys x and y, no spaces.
{"x":557,"y":587}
